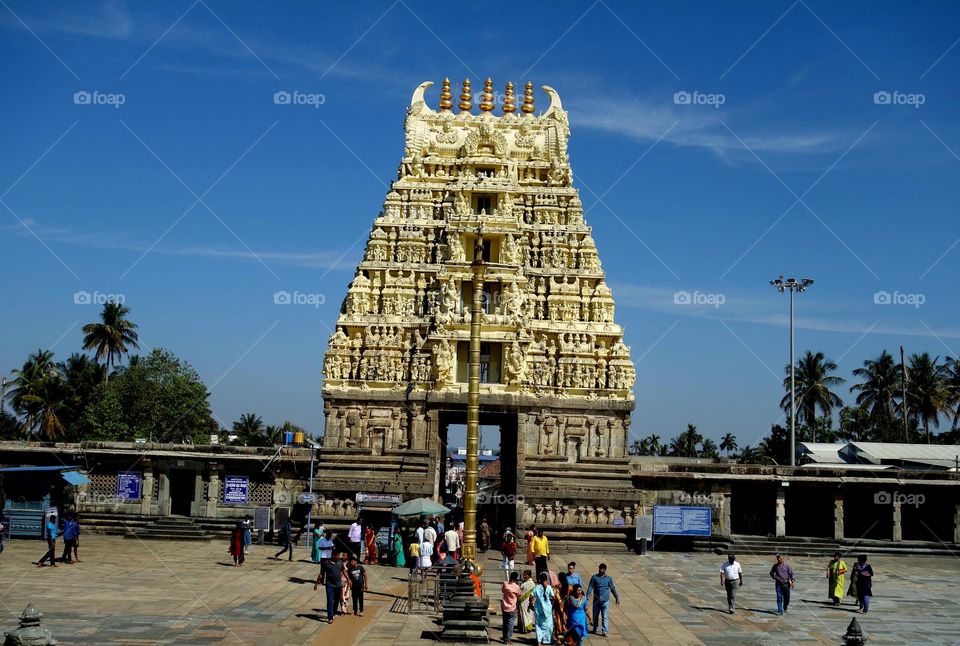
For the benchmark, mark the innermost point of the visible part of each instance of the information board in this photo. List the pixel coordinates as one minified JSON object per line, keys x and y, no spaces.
{"x":128,"y":485}
{"x":644,"y":527}
{"x":261,"y":518}
{"x":236,"y":490}
{"x":672,"y":520}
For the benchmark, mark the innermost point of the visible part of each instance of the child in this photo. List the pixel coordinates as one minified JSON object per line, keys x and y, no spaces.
{"x":358,"y":584}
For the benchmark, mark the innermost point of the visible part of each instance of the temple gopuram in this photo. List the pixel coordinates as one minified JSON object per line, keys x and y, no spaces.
{"x":556,"y":376}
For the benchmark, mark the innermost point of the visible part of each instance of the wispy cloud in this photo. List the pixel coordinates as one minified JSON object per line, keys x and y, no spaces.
{"x":108,"y":20}
{"x":743,"y":308}
{"x":701,"y":127}
{"x":325,"y":259}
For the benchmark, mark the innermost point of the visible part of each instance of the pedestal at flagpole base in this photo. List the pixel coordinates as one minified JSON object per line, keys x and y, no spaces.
{"x":465,"y":614}
{"x":854,"y":636}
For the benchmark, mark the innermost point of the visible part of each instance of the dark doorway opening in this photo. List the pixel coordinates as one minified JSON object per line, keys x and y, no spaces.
{"x":867,"y":513}
{"x":181,"y":492}
{"x":753,"y":508}
{"x":809,"y":510}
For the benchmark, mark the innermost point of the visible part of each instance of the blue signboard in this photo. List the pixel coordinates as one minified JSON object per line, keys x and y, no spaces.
{"x":672,"y":520}
{"x":236,"y":490}
{"x":129,"y":485}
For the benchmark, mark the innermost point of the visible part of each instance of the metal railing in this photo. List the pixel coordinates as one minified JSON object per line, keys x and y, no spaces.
{"x":429,"y":587}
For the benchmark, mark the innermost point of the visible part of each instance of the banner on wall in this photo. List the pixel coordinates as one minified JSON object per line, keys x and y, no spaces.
{"x":236,"y":490}
{"x":129,"y":485}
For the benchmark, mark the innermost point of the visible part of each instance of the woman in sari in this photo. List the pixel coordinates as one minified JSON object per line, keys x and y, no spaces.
{"x":530,"y":534}
{"x":541,"y":602}
{"x":836,"y":577}
{"x":576,"y":605}
{"x":525,"y":619}
{"x":316,"y":534}
{"x":559,"y":618}
{"x":398,"y":558}
{"x":345,"y":582}
{"x":370,"y":543}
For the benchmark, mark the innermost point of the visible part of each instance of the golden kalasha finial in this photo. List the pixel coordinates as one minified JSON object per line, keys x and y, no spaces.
{"x":466,"y":97}
{"x":527,"y":106}
{"x":509,"y":101}
{"x":486,"y":99}
{"x":446,"y":99}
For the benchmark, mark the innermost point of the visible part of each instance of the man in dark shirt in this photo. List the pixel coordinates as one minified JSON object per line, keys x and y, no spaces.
{"x":783,"y":579}
{"x":358,"y":584}
{"x":331,"y":576}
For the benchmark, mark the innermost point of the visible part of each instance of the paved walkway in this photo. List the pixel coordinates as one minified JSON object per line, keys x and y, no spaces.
{"x":150,"y":592}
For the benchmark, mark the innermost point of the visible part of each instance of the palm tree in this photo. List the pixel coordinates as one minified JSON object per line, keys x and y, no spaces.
{"x":113,"y":336}
{"x":813,"y":383}
{"x":951,"y":378}
{"x":878,"y":391}
{"x":654,"y":447}
{"x":40,"y":395}
{"x":708,"y":449}
{"x":686,"y":444}
{"x":249,"y":429}
{"x":82,"y":375}
{"x":728,"y":443}
{"x":927,"y":392}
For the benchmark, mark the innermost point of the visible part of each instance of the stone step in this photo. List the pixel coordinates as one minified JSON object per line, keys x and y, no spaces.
{"x":169,"y":536}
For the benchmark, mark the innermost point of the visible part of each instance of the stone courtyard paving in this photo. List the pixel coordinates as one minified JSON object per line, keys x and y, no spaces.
{"x":153,"y":592}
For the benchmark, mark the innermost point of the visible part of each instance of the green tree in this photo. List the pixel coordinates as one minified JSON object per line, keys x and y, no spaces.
{"x":928,"y":395}
{"x":708,"y":449}
{"x":878,"y":392}
{"x":687,"y":444}
{"x":249,"y":430}
{"x":103,"y":419}
{"x":82,"y":377}
{"x":112,"y":337}
{"x":40,"y":394}
{"x":9,"y":426}
{"x":855,"y":424}
{"x":951,"y":378}
{"x":728,"y":443}
{"x":813,"y":383}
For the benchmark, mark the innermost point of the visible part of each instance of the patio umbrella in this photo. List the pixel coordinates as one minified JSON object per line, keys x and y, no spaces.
{"x":420,"y":507}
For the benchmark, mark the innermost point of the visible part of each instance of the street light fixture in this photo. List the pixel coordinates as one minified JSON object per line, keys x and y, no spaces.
{"x":792,"y":285}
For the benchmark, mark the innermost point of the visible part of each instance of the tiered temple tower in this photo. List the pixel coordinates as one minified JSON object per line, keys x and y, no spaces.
{"x":556,"y":375}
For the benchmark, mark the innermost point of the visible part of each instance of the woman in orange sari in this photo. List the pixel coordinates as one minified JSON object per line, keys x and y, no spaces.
{"x":370,"y":543}
{"x":530,"y":534}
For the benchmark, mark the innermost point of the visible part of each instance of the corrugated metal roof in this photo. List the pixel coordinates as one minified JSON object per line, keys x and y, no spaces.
{"x":900,"y":451}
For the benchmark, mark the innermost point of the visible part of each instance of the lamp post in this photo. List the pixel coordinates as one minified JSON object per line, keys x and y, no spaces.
{"x":792,"y":285}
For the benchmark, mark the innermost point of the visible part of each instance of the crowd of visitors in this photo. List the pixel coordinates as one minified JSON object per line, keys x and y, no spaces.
{"x":69,"y":532}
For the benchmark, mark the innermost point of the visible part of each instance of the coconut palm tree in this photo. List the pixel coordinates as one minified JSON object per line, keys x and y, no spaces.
{"x":249,"y":429}
{"x":708,"y":449}
{"x":813,"y":387}
{"x":878,"y":391}
{"x":728,"y":443}
{"x":40,"y":395}
{"x":112,"y":337}
{"x":927,"y":392}
{"x":951,"y":378}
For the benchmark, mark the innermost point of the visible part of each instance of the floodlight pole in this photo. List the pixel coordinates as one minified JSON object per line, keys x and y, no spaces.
{"x":792,"y":285}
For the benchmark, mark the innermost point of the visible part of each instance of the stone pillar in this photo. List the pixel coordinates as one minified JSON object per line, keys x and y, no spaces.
{"x":838,"y":516}
{"x":146,"y":495}
{"x":897,"y":520}
{"x":956,"y":524}
{"x":199,"y":506}
{"x":213,"y":493}
{"x":726,"y":522}
{"x":781,"y":526}
{"x":163,"y":498}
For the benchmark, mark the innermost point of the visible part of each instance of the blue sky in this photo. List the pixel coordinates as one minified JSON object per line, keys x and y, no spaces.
{"x":198,"y":198}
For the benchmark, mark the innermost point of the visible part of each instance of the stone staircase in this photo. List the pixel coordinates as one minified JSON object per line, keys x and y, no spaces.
{"x":178,"y":528}
{"x":820,"y":547}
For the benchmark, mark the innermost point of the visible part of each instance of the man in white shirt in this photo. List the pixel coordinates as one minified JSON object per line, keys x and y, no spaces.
{"x":452,"y":539}
{"x":426,"y":552}
{"x":731,"y":577}
{"x":355,"y":535}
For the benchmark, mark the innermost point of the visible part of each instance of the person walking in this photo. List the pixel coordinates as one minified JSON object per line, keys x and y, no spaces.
{"x":572,"y":577}
{"x":399,"y":559}
{"x":316,"y":535}
{"x":51,"y":535}
{"x":358,"y":584}
{"x":863,"y":573}
{"x":731,"y":578}
{"x":525,"y":617}
{"x":601,"y":585}
{"x":236,"y":544}
{"x":370,"y":543}
{"x":426,"y":553}
{"x":247,"y":533}
{"x":76,"y":536}
{"x":331,"y":578}
{"x":530,"y":535}
{"x":355,"y":536}
{"x":784,"y":580}
{"x":70,"y":530}
{"x":541,"y":552}
{"x":285,"y":539}
{"x":325,"y":546}
{"x":510,"y":595}
{"x":836,"y":578}
{"x":452,"y":541}
{"x":576,"y":607}
{"x":484,"y":538}
{"x":508,"y":548}
{"x":541,"y":602}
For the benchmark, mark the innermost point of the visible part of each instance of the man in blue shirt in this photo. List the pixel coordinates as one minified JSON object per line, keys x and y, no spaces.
{"x":51,"y":533}
{"x":70,"y":532}
{"x":603,"y":586}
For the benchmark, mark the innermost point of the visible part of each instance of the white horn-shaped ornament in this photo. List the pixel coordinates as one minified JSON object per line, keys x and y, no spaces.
{"x":555,"y":104}
{"x":417,"y":97}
